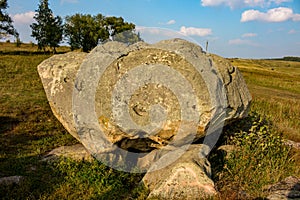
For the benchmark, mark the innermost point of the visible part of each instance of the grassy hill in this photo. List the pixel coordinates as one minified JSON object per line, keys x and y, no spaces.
{"x":28,"y":130}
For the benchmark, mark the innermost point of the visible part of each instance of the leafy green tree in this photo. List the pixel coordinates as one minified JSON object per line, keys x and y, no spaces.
{"x":48,"y":31}
{"x":86,"y":31}
{"x":6,"y":27}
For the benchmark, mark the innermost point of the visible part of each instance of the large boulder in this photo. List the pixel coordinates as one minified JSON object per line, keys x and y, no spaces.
{"x":140,"y":107}
{"x":120,"y":100}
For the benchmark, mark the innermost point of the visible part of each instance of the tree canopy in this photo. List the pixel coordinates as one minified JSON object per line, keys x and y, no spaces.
{"x":48,"y":29}
{"x":86,"y":31}
{"x":6,"y":26}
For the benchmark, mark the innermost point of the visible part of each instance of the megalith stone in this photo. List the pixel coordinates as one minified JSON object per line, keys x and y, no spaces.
{"x":142,"y":107}
{"x":171,"y":71}
{"x":214,"y":82}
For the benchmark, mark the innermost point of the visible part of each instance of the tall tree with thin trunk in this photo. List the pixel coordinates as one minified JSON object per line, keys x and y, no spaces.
{"x":48,"y":29}
{"x":6,"y":26}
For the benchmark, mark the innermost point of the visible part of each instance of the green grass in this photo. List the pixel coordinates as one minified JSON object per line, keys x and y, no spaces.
{"x":260,"y":159}
{"x":28,"y":130}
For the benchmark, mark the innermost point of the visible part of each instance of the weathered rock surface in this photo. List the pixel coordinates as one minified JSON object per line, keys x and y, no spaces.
{"x":287,"y":189}
{"x":76,"y":152}
{"x":215,"y":83}
{"x":186,"y":178}
{"x":58,"y":74}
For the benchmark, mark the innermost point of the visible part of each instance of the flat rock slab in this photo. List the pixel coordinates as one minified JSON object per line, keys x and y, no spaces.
{"x":76,"y":152}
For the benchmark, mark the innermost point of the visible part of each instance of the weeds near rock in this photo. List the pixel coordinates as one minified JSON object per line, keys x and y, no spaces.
{"x":260,"y":159}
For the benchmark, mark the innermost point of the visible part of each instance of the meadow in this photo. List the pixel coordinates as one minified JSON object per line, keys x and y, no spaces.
{"x":28,"y":130}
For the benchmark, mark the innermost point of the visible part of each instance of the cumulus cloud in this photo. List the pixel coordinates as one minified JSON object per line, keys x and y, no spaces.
{"x":24,"y":18}
{"x":171,"y":22}
{"x":249,"y":35}
{"x":273,"y":15}
{"x":242,"y":3}
{"x":242,"y":42}
{"x":189,"y":31}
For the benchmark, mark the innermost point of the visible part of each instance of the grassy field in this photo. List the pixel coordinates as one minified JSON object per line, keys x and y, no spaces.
{"x":28,"y":130}
{"x":275,"y":87}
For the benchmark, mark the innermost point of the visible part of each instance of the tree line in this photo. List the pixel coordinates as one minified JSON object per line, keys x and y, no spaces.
{"x":82,"y":31}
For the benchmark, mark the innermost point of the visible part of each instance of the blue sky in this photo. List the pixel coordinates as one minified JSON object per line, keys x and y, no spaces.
{"x":233,"y":28}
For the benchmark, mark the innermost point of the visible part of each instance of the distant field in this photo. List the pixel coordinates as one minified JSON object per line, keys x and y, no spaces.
{"x":275,"y":88}
{"x":28,"y":130}
{"x":26,"y":48}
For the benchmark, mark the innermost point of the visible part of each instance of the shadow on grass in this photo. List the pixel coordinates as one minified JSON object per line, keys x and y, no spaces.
{"x":38,"y":178}
{"x":7,"y":123}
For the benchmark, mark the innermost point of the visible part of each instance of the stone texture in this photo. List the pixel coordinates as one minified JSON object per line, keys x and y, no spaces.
{"x":205,"y":73}
{"x":292,"y":144}
{"x":287,"y":189}
{"x":76,"y":152}
{"x":186,"y":178}
{"x":58,"y":74}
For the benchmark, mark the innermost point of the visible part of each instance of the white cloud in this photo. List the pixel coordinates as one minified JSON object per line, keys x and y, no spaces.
{"x":273,"y":15}
{"x":24,"y":18}
{"x":171,"y":22}
{"x":242,"y":3}
{"x":249,"y":35}
{"x":242,"y":42}
{"x":231,"y":4}
{"x":188,"y":31}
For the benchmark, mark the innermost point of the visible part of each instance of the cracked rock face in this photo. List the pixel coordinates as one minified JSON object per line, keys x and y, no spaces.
{"x":162,"y":77}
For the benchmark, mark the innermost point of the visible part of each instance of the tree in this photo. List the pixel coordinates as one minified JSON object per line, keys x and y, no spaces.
{"x":86,"y":31}
{"x":6,"y":27}
{"x":48,"y":30}
{"x":121,"y":31}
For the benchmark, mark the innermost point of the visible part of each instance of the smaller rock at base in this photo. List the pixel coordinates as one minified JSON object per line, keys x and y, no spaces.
{"x":76,"y":152}
{"x":287,"y":189}
{"x":10,"y":180}
{"x":186,"y":178}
